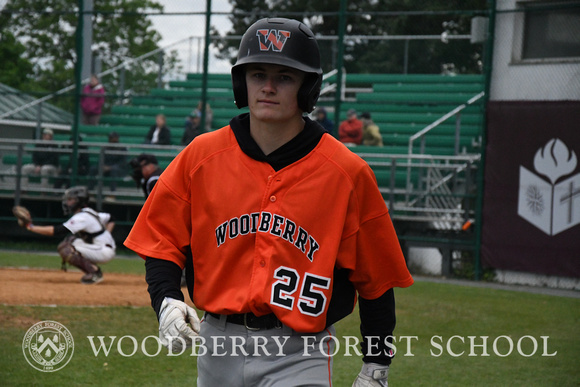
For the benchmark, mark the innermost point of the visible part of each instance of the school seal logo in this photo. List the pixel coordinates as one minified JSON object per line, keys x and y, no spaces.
{"x":48,"y":346}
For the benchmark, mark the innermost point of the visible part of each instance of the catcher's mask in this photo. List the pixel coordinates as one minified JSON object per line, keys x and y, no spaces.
{"x":80,"y":194}
{"x":283,"y":42}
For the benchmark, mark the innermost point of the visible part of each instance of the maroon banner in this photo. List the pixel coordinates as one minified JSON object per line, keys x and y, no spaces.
{"x":531,"y":208}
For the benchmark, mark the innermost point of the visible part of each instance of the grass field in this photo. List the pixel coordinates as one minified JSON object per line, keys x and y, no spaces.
{"x":425,"y":310}
{"x":43,"y":260}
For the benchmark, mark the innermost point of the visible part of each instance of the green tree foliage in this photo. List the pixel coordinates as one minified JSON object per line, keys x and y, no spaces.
{"x":376,"y":18}
{"x":14,"y":69}
{"x":120,"y":32}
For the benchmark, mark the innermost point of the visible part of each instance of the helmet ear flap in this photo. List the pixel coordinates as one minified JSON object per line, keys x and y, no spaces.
{"x":239,"y":86}
{"x":309,"y":92}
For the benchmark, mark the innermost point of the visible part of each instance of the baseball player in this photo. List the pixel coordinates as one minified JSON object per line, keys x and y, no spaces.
{"x":146,"y":172}
{"x":280,"y":227}
{"x":88,"y":241}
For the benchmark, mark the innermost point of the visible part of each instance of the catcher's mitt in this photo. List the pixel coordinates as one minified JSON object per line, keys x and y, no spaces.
{"x":23,"y":216}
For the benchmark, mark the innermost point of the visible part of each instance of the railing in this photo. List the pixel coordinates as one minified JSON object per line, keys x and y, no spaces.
{"x":455,"y":112}
{"x":421,"y":134}
{"x":12,"y":178}
{"x":450,"y":180}
{"x":438,"y":194}
{"x":446,"y":200}
{"x":331,"y":87}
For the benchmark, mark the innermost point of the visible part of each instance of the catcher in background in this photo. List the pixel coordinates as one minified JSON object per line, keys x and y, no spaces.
{"x":88,"y":241}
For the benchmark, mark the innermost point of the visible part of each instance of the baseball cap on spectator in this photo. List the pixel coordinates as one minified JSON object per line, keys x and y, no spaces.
{"x":350,"y":112}
{"x":366,"y":115}
{"x":48,"y":131}
{"x":113,"y":135}
{"x":195,"y":113}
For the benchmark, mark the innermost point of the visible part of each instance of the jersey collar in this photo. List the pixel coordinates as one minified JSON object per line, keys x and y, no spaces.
{"x":287,"y":154}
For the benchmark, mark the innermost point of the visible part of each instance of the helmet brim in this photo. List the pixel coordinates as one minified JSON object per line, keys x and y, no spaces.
{"x":277,"y":60}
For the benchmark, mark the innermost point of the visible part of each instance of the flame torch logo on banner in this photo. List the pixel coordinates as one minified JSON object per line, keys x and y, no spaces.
{"x":551,"y":207}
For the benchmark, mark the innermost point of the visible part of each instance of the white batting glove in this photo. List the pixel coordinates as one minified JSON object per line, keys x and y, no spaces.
{"x":372,"y":375}
{"x":174,"y":333}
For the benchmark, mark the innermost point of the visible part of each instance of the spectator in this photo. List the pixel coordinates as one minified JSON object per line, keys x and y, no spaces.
{"x":371,"y":134}
{"x":323,"y":120}
{"x":83,"y":165}
{"x":159,"y":134}
{"x":114,"y":163}
{"x":44,"y":163}
{"x":92,"y":101}
{"x":192,"y":129}
{"x":350,"y":130}
{"x":208,"y":115}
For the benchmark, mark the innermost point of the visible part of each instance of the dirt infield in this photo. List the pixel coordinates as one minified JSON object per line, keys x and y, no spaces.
{"x":56,"y":287}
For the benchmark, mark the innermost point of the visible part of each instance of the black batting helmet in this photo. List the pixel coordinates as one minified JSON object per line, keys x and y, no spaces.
{"x":283,"y":42}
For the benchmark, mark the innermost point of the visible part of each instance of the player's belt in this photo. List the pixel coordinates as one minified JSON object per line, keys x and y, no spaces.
{"x":251,"y":321}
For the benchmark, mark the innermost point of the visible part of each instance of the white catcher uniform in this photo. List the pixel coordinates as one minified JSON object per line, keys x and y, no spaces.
{"x":89,"y":221}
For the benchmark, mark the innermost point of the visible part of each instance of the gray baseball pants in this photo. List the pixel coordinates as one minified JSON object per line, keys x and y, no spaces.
{"x":280,"y":357}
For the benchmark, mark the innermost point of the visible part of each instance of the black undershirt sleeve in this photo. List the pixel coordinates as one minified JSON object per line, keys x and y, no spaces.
{"x":61,"y":231}
{"x":164,"y":280}
{"x":377,"y":321}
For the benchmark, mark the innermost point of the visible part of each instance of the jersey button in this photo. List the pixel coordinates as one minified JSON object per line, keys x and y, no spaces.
{"x":272,"y":198}
{"x":262,"y":263}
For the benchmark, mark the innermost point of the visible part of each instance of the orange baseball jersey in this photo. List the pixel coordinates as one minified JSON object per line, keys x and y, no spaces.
{"x":263,"y":241}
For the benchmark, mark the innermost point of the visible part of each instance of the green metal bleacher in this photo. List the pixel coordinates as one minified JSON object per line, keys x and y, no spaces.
{"x":401,"y":105}
{"x":194,"y":84}
{"x":175,"y":102}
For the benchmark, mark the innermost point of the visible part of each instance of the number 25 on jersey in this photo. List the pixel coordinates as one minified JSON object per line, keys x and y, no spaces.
{"x":310,"y":301}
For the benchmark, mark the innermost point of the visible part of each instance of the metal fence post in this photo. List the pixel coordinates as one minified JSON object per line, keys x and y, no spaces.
{"x":457,"y":131}
{"x":160,"y":70}
{"x":426,"y":184}
{"x":17,"y":190}
{"x":204,"y":78}
{"x":122,"y":85}
{"x":189,"y":54}
{"x":101,"y":172}
{"x":467,"y":200}
{"x":406,"y":57}
{"x":409,"y":161}
{"x":199,"y":56}
{"x":421,"y":175}
{"x":340,"y":61}
{"x":488,"y":61}
{"x":392,"y":184}
{"x":77,"y":94}
{"x":38,"y":121}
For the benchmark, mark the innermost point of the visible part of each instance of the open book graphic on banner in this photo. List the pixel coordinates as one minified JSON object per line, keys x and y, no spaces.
{"x":552,"y":204}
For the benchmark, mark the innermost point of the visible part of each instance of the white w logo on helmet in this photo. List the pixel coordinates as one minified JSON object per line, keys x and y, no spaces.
{"x":272,"y":39}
